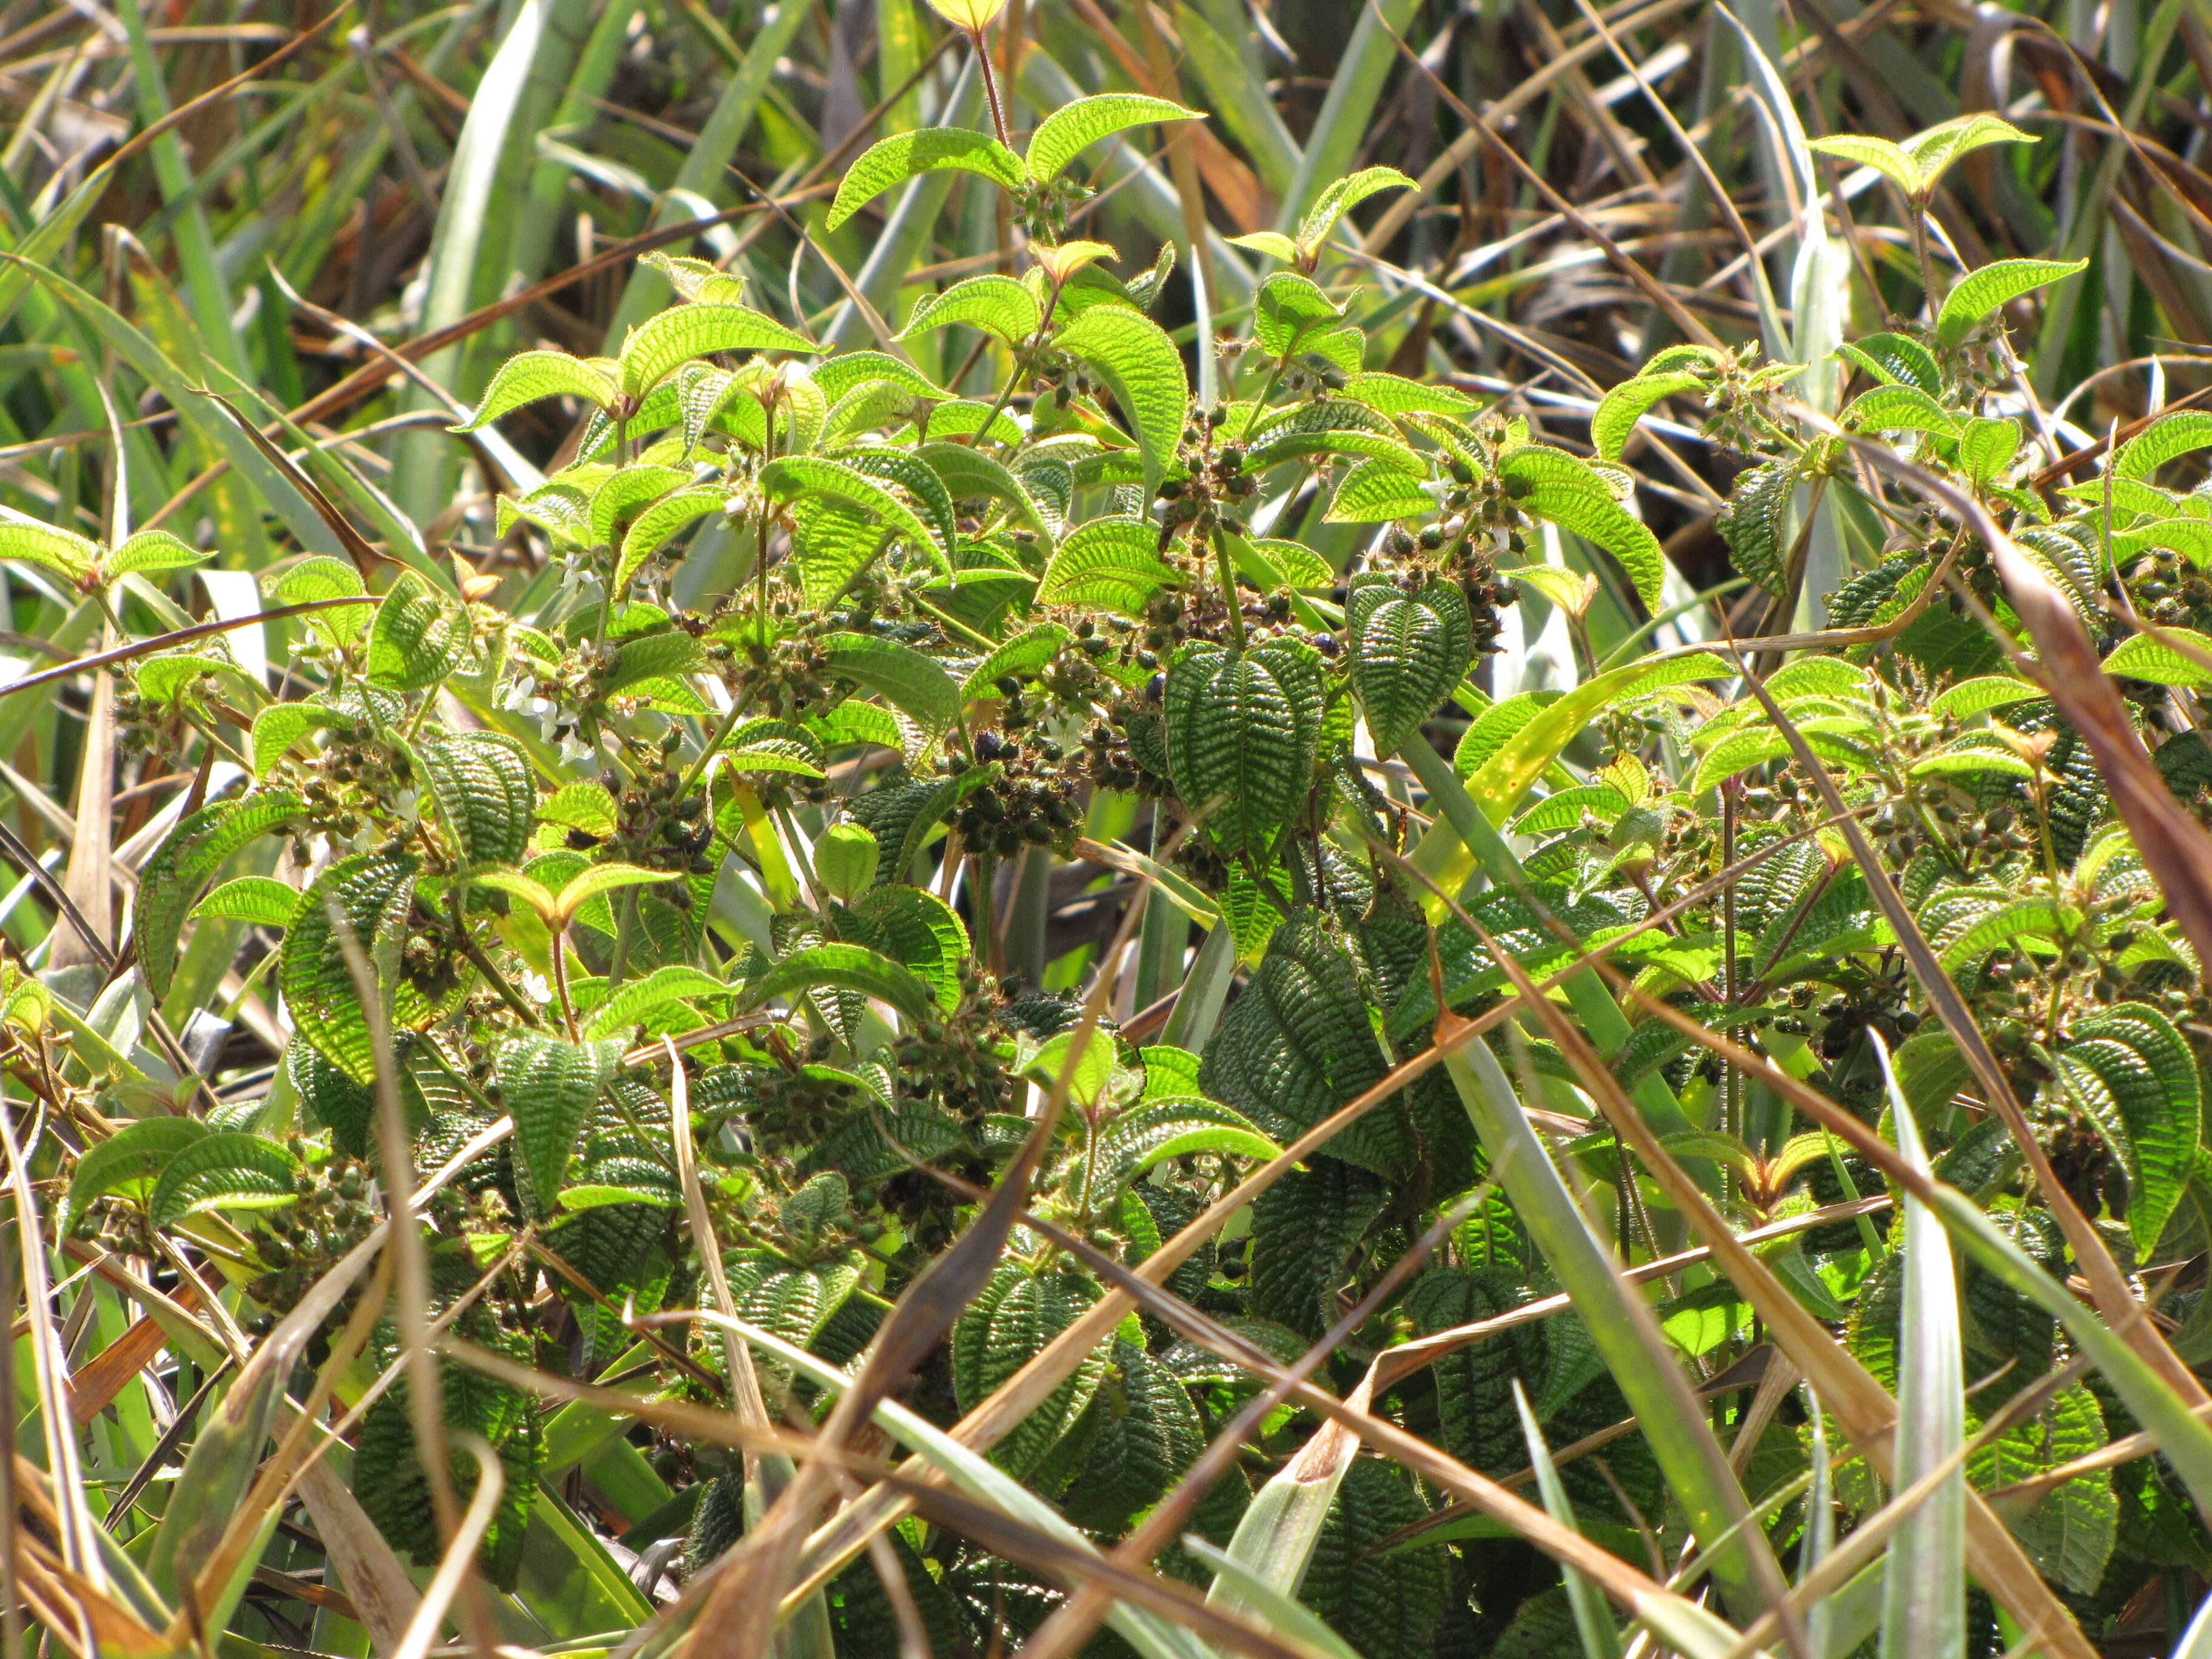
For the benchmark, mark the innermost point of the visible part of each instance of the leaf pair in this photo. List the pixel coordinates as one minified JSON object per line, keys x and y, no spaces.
{"x":1551,"y":485}
{"x":654,"y":351}
{"x":1059,"y":138}
{"x":1339,"y":199}
{"x":559,"y":910}
{"x":83,"y":563}
{"x":1915,"y":165}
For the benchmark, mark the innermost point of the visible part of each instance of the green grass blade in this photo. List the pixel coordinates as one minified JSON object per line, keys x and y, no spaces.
{"x":465,"y":216}
{"x":1593,"y":1620}
{"x":1925,"y":1609}
{"x":1618,"y":1319}
{"x":1333,"y":146}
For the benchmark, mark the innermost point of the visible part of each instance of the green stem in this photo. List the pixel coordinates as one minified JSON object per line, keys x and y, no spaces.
{"x":1259,"y":402}
{"x":560,"y":981}
{"x":1918,"y":216}
{"x":625,"y":925}
{"x":1023,"y":354}
{"x":484,"y":966}
{"x":953,"y":623}
{"x":1229,"y":588}
{"x":737,"y":706}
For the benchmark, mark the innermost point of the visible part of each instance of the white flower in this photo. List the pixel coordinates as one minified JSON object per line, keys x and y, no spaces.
{"x":536,"y":986}
{"x":574,"y":748}
{"x":520,"y":695}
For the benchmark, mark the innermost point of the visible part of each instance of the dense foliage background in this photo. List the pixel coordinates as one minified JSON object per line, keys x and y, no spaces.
{"x":1211,"y":828}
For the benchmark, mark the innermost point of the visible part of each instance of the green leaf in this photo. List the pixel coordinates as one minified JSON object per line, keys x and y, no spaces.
{"x":1243,"y":730}
{"x":1331,"y":426}
{"x":165,"y":681}
{"x":1394,"y":394}
{"x":1408,"y":651}
{"x":840,"y":375}
{"x":651,"y":666}
{"x":1569,"y":590}
{"x":1968,"y":762}
{"x":2026,"y":918}
{"x":1986,"y":448}
{"x":1832,"y":738}
{"x":1002,"y":1331}
{"x":172,"y":878}
{"x":1564,"y":809}
{"x":1289,"y":312}
{"x":1111,"y":564}
{"x":549,"y":1087}
{"x":917,"y":687}
{"x":1140,"y":366}
{"x":2150,"y":1070}
{"x":773,"y":745}
{"x":419,"y":637}
{"x":1884,"y":157}
{"x":513,"y":883}
{"x":1555,"y":493}
{"x":2070,"y":1532}
{"x":1895,"y":360}
{"x":915,"y":929}
{"x":998,"y":305}
{"x":1620,"y":408}
{"x":1900,"y":408}
{"x":67,"y":555}
{"x":793,"y":476}
{"x":134,"y":1156}
{"x":221,"y":1171}
{"x":151,"y":550}
{"x":649,"y":531}
{"x":2163,"y":439}
{"x":658,"y":345}
{"x":1088,"y":1074}
{"x":1978,"y":697}
{"x":909,"y":155}
{"x":2147,"y":657}
{"x":485,"y":795}
{"x":1754,"y":522}
{"x":262,"y":900}
{"x":373,"y":891}
{"x":845,"y":859}
{"x":972,"y":475}
{"x":1020,"y":657}
{"x":1074,"y":127}
{"x":596,"y":881}
{"x":1272,"y":243}
{"x":626,"y":492}
{"x":637,"y":998}
{"x":529,"y":375}
{"x":919,"y":481}
{"x":848,"y":967}
{"x":1995,"y":285}
{"x":1341,"y":197}
{"x":2191,"y":537}
{"x":1378,"y":492}
{"x":1934,"y":150}
{"x":1174,"y":1126}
